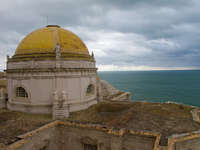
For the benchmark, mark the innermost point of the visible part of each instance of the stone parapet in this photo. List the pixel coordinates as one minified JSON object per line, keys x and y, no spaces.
{"x":50,"y":64}
{"x":184,"y":141}
{"x":25,"y":138}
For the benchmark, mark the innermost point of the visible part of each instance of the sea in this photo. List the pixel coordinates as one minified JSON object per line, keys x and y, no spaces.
{"x":157,"y":86}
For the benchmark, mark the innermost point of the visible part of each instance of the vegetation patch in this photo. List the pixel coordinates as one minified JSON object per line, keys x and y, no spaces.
{"x":165,"y":118}
{"x":13,"y":124}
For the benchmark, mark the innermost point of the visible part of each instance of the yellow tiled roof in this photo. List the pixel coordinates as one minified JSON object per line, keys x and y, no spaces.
{"x":44,"y":40}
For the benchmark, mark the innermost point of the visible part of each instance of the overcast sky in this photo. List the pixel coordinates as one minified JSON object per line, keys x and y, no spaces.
{"x":123,"y":34}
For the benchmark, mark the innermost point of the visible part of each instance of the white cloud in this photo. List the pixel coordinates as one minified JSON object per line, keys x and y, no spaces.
{"x":140,"y":68}
{"x":103,"y":42}
{"x":135,"y":33}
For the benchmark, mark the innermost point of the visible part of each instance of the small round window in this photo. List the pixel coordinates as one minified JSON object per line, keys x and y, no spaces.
{"x":90,"y":89}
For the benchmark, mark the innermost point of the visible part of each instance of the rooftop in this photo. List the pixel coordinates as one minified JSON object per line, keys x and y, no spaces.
{"x":165,"y":118}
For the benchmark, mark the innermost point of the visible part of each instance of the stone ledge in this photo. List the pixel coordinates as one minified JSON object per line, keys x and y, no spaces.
{"x":28,"y":70}
{"x":182,"y":137}
{"x":124,"y":96}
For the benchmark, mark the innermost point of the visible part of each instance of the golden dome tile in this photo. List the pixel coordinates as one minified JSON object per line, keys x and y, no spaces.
{"x":44,"y":40}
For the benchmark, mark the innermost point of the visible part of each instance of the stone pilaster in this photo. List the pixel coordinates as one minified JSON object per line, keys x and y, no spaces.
{"x":60,"y":106}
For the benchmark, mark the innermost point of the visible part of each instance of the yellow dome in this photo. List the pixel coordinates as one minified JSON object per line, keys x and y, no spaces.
{"x":42,"y":42}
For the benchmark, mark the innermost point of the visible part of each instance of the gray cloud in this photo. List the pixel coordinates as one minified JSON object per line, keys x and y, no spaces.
{"x":150,"y":33}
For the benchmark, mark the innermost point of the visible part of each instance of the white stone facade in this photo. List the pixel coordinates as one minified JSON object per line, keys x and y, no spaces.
{"x":41,"y":79}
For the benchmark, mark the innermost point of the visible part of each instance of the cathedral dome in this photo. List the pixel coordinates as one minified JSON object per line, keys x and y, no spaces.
{"x":41,"y":44}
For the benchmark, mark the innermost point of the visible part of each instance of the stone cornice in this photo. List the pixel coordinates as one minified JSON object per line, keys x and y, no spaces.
{"x":49,"y":77}
{"x":30,"y":70}
{"x":50,"y":56}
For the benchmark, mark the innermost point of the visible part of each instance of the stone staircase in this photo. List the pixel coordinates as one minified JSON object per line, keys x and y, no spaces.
{"x":60,"y":111}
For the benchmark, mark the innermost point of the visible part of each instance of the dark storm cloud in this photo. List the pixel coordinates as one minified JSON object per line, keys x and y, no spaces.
{"x":154,"y":33}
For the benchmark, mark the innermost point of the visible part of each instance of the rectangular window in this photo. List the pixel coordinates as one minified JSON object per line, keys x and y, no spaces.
{"x":90,"y":147}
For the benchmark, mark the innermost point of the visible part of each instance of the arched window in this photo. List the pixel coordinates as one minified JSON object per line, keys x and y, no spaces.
{"x":90,"y":89}
{"x":21,"y":92}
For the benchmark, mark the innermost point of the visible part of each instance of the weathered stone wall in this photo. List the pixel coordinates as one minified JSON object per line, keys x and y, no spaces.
{"x":60,"y":135}
{"x":66,"y":135}
{"x":185,"y":141}
{"x":136,"y":142}
{"x":74,"y":138}
{"x":193,"y":144}
{"x":41,"y":79}
{"x":43,"y":138}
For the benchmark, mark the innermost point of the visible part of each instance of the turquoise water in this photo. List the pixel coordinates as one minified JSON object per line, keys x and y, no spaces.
{"x":158,"y":86}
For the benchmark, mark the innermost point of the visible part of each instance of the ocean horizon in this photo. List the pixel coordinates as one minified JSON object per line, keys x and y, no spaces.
{"x":179,"y":86}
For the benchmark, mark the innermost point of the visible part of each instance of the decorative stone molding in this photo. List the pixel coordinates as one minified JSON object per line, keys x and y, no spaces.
{"x":60,"y":105}
{"x":18,"y":77}
{"x":50,"y":64}
{"x":50,"y":56}
{"x":28,"y":70}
